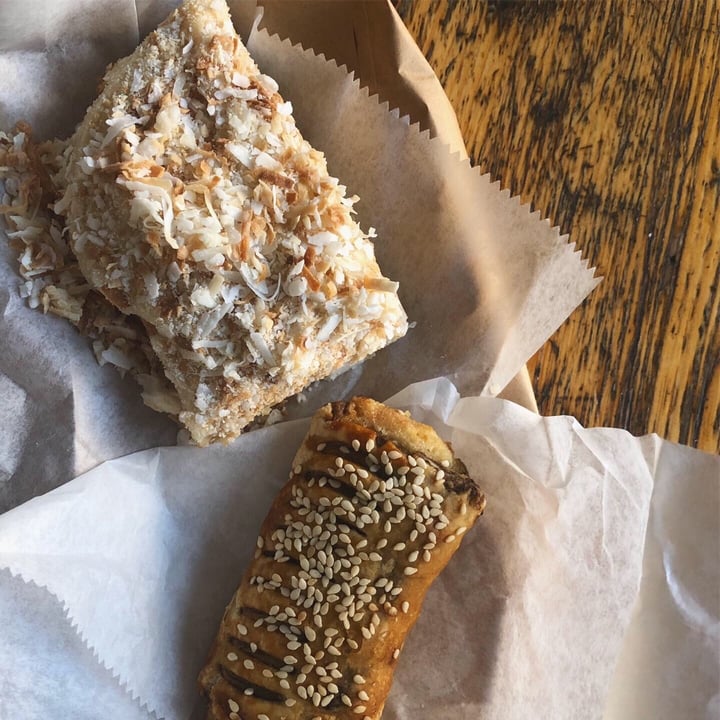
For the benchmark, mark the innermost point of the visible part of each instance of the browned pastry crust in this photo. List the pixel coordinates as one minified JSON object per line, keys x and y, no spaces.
{"x":375,"y":506}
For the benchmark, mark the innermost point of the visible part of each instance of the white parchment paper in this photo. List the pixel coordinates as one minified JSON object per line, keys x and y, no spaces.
{"x":561,"y":577}
{"x":485,"y":281}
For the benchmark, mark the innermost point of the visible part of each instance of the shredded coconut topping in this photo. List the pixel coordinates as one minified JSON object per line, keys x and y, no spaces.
{"x":193,"y":202}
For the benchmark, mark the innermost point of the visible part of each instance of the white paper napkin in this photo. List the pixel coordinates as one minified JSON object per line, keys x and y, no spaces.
{"x":532,"y":613}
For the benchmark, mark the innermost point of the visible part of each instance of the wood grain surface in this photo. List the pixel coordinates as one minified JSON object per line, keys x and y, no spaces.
{"x":606,"y":115}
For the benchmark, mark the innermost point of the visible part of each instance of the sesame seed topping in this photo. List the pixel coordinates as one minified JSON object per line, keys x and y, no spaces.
{"x":262,"y":716}
{"x":290,"y":701}
{"x":396,"y":653}
{"x":445,"y":463}
{"x":233,"y":705}
{"x":405,"y":607}
{"x":449,"y":539}
{"x":232,"y":657}
{"x":321,"y":446}
{"x":355,"y":444}
{"x":410,"y":570}
{"x":249,"y":664}
{"x":359,"y":710}
{"x":358,"y":679}
{"x":248,"y":691}
{"x":363,"y":696}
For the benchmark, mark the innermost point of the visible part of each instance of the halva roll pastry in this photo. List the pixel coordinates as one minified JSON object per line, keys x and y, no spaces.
{"x":375,"y":507}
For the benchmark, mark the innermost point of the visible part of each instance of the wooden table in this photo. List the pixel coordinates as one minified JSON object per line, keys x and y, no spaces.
{"x":606,"y":115}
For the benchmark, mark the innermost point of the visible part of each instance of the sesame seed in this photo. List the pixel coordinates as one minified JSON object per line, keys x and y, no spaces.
{"x":405,"y":607}
{"x":445,"y":463}
{"x":232,"y":657}
{"x":439,"y":475}
{"x":359,"y":710}
{"x":346,"y":700}
{"x":248,"y":691}
{"x":260,"y":541}
{"x":410,"y":571}
{"x":262,"y":716}
{"x":242,"y":629}
{"x":370,"y":445}
{"x":302,"y":692}
{"x":355,"y":444}
{"x":426,"y":556}
{"x":396,"y":653}
{"x":394,"y":455}
{"x":462,"y":529}
{"x":233,"y":705}
{"x":234,"y":716}
{"x":267,"y":673}
{"x":449,"y":539}
{"x":249,"y":664}
{"x":290,"y":660}
{"x":413,"y":556}
{"x":363,"y":695}
{"x":290,"y":701}
{"x":316,"y":698}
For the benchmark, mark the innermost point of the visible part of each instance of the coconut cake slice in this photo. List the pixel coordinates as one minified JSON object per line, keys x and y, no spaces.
{"x":193,"y":202}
